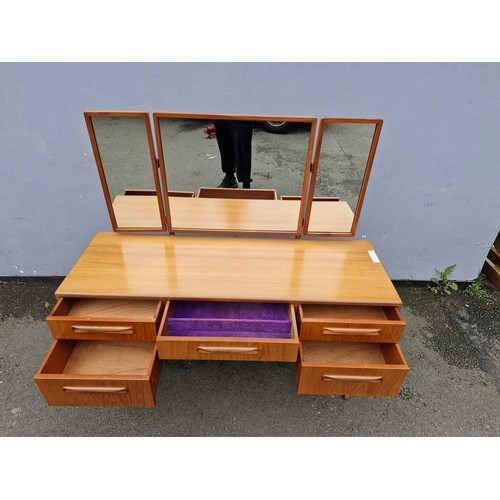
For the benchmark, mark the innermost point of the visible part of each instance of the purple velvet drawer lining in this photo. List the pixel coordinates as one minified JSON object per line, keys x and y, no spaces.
{"x":229,"y":325}
{"x":229,"y":319}
{"x":229,"y":310}
{"x":236,"y":333}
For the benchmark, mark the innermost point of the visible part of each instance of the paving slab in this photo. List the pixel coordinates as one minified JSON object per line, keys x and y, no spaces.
{"x":451,"y":343}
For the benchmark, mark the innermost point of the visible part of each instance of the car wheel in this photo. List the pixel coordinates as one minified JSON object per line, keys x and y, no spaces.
{"x":277,"y":127}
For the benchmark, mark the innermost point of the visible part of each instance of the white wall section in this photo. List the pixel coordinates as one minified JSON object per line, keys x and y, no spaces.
{"x":434,"y":195}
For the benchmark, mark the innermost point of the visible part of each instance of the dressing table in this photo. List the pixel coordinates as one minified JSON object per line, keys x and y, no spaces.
{"x":201,"y":273}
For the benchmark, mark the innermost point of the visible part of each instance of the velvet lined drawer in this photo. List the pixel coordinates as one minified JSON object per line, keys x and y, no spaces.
{"x":219,"y":338}
{"x":350,"y":369}
{"x":105,"y":319}
{"x":100,"y":373}
{"x":346,"y":323}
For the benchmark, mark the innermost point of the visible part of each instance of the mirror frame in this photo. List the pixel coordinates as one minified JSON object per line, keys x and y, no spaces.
{"x":371,"y":155}
{"x":154,"y":165}
{"x":210,"y":116}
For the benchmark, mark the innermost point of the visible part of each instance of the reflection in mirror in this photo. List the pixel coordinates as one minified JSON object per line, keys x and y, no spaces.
{"x":201,"y":153}
{"x":193,"y":157}
{"x":124,"y":153}
{"x":340,"y":174}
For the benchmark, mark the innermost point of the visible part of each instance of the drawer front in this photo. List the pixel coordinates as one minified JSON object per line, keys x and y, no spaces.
{"x":325,"y":329}
{"x":93,"y":392}
{"x":93,"y":326}
{"x":68,"y":389}
{"x":227,"y":348}
{"x":352,"y":379}
{"x":349,"y":382}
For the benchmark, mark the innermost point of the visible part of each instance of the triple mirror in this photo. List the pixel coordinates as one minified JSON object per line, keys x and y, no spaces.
{"x":234,"y":174}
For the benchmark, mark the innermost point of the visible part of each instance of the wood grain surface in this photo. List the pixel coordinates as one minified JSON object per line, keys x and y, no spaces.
{"x":229,"y":268}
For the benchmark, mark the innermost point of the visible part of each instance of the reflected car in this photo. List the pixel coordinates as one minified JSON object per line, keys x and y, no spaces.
{"x":277,"y":127}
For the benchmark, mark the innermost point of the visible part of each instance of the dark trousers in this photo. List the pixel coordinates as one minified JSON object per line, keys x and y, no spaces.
{"x":234,"y":138}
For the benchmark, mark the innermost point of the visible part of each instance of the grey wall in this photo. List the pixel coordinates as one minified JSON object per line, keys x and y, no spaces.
{"x":433,"y":198}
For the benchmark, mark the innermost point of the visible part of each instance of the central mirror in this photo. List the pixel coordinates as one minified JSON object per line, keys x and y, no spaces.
{"x":234,"y":174}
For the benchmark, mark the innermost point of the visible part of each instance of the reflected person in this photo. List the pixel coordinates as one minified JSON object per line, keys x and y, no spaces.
{"x":234,"y":138}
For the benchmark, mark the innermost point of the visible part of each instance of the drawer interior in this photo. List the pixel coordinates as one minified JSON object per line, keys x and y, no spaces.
{"x":254,"y":194}
{"x":335,"y":312}
{"x":93,"y":357}
{"x":107,"y":308}
{"x":229,"y":319}
{"x":351,"y":352}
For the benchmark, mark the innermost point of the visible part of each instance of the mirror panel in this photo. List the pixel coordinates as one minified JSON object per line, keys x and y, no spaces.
{"x":123,"y":148}
{"x":193,"y":148}
{"x":345,"y":151}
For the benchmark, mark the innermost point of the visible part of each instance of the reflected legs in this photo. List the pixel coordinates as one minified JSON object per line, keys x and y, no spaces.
{"x":234,"y":138}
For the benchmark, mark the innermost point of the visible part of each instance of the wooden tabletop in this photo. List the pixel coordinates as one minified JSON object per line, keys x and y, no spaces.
{"x":330,"y":217}
{"x":236,"y":215}
{"x":230,"y":268}
{"x":137,"y":211}
{"x":232,"y":215}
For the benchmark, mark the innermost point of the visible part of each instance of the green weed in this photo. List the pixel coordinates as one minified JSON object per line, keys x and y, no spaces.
{"x":476,"y":288}
{"x":442,"y":285}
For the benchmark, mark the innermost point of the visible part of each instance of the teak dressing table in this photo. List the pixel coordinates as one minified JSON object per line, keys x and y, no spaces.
{"x":235,"y":274}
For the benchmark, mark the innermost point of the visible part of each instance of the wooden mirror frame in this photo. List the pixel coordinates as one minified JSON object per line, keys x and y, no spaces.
{"x":371,"y":155}
{"x":172,"y":229}
{"x":154,"y":165}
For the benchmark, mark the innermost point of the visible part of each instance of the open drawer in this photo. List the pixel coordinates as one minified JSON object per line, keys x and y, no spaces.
{"x":105,"y":319}
{"x":244,"y":331}
{"x":350,"y":369}
{"x":100,"y":373}
{"x":350,"y":323}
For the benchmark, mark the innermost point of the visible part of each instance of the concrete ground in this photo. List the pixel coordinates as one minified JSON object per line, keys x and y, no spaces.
{"x":451,"y":343}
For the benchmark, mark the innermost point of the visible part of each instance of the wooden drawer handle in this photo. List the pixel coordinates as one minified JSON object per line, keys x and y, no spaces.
{"x":367,"y":332}
{"x":241,"y":350}
{"x":102,"y":390}
{"x":351,"y":378}
{"x":102,"y":329}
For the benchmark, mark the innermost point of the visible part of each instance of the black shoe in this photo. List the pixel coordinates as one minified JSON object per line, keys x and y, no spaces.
{"x":228,"y":182}
{"x":246,"y":185}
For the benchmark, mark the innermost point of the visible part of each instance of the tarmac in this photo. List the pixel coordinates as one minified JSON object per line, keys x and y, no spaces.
{"x":451,"y":344}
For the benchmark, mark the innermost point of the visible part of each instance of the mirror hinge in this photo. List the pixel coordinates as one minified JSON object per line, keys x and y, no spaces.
{"x":311,"y":167}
